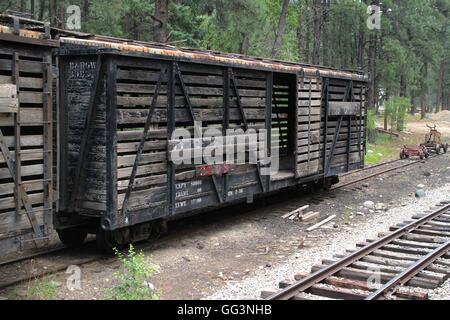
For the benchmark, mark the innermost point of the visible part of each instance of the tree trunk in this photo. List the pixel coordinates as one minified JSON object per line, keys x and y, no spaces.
{"x":403,"y":84}
{"x":423,"y":106}
{"x":22,"y":6}
{"x":423,"y":97}
{"x":386,"y":99}
{"x":87,"y":9}
{"x":280,"y":30}
{"x":361,"y":43}
{"x":372,"y":70}
{"x":52,"y":12}
{"x":161,"y":15}
{"x":244,"y":44}
{"x":41,"y":10}
{"x":220,"y":13}
{"x":33,"y":9}
{"x":304,"y":33}
{"x":440,"y":87}
{"x":317,"y":21}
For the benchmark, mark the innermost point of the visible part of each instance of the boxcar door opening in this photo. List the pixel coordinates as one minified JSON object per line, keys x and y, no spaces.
{"x":284,"y":123}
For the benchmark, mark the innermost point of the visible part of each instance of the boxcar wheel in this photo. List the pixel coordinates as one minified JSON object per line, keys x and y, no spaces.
{"x":72,"y":238}
{"x":159,"y":227}
{"x":107,"y":241}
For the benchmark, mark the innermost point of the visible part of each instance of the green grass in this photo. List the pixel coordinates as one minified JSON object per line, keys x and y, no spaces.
{"x":131,"y":280}
{"x":386,"y":148}
{"x":43,"y":289}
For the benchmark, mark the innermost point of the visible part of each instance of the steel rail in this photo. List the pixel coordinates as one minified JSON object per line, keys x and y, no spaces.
{"x":392,"y":286}
{"x":376,"y":174}
{"x":369,"y":167}
{"x":314,"y":278}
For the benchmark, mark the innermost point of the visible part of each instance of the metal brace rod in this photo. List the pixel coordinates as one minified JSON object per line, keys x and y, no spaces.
{"x":350,"y":97}
{"x":191,"y":112}
{"x":142,"y":142}
{"x":244,"y":120}
{"x":89,"y":123}
{"x":325,"y":94}
{"x":226,"y":122}
{"x":238,"y":97}
{"x":336,"y":134}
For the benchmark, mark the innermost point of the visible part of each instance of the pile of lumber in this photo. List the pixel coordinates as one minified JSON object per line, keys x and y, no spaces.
{"x":392,"y":133}
{"x":301,"y":214}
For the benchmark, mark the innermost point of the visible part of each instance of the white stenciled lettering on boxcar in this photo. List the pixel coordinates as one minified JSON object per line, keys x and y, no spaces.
{"x":196,"y":201}
{"x":180,"y":204}
{"x":236,"y":192}
{"x":196,"y":183}
{"x":183,"y":193}
{"x":81,"y":69}
{"x":179,"y":186}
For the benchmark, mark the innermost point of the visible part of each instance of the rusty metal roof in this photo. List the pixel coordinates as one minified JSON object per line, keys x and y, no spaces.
{"x":24,"y":30}
{"x":34,"y":29}
{"x":209,"y":56}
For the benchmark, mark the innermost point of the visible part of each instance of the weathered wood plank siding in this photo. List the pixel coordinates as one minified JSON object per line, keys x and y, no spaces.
{"x":26,"y":71}
{"x":175,"y":94}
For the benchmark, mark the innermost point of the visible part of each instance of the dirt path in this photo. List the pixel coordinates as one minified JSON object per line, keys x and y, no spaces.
{"x":441,"y":120}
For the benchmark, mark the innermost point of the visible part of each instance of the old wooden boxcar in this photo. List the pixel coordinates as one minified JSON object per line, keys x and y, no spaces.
{"x":26,"y":136}
{"x":122,"y":101}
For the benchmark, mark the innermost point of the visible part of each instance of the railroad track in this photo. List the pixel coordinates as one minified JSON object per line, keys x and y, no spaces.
{"x":378,"y":173}
{"x":413,"y":256}
{"x":285,"y":206}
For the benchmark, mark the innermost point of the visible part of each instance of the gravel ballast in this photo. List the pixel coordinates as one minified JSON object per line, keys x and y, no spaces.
{"x":328,"y":245}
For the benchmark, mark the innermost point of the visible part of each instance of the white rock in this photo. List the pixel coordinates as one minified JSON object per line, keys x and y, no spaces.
{"x":369,"y":204}
{"x":420,"y":186}
{"x":322,"y":247}
{"x":381,"y":206}
{"x":150,"y":285}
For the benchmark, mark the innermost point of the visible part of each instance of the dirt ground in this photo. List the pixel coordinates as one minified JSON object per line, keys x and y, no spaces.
{"x":441,"y":120}
{"x":200,"y":255}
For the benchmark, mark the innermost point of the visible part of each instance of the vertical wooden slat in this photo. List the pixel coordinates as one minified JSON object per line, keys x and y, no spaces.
{"x":309,"y":123}
{"x":17,"y":131}
{"x":269,"y":100}
{"x":58,"y":138}
{"x":111,"y":141}
{"x":170,"y":129}
{"x":325,"y":133}
{"x":48,"y":143}
{"x":226,"y":121}
{"x":62,"y":136}
{"x":360,"y":122}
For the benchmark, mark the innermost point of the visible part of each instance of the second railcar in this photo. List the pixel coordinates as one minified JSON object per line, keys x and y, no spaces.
{"x":121,"y":104}
{"x":27,"y":140}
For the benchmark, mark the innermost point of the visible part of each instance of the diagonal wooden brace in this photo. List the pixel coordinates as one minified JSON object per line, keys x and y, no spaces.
{"x":89,"y":123}
{"x":142,"y":142}
{"x":22,"y":193}
{"x":191,"y":112}
{"x":336,"y":134}
{"x":244,"y":120}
